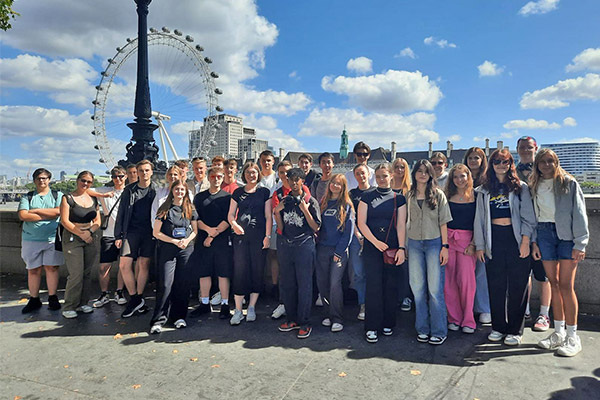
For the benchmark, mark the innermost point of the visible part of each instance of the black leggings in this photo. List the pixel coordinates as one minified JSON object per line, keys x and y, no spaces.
{"x":249,"y":260}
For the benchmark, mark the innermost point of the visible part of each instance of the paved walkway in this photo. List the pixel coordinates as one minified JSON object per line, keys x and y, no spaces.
{"x":100,"y":356}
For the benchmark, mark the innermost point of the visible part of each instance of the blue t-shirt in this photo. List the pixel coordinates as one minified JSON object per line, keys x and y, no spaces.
{"x":40,"y":231}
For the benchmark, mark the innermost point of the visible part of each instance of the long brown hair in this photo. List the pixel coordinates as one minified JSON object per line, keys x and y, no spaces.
{"x":492,"y":184}
{"x":477,"y":180}
{"x":186,"y":206}
{"x":451,"y":188}
{"x":405,"y":183}
{"x":343,"y":204}
{"x":430,"y":198}
{"x":561,"y":177}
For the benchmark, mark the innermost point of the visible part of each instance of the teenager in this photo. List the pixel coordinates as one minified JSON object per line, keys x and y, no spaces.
{"x":132,"y":176}
{"x":440,"y":163}
{"x":80,"y":216}
{"x":175,"y":229}
{"x":382,"y":221}
{"x":504,"y":223}
{"x":173,"y":174}
{"x":297,"y":221}
{"x":476,"y":160}
{"x":213,"y":254}
{"x":250,"y":218}
{"x":319,"y":185}
{"x":335,"y":234}
{"x":305,"y":163}
{"x":428,"y":216}
{"x":355,"y":258}
{"x":199,"y":183}
{"x":39,"y":211}
{"x":133,"y":235}
{"x":268,"y":177}
{"x":362,"y":153}
{"x":217,"y":161}
{"x":562,"y":236}
{"x":459,"y":288}
{"x":229,"y":182}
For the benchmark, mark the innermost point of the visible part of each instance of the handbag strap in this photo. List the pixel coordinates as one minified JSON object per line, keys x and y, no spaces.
{"x":392,"y":221}
{"x":114,"y":205}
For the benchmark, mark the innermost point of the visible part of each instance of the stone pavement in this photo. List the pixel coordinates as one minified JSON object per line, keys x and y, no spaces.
{"x":100,"y":356}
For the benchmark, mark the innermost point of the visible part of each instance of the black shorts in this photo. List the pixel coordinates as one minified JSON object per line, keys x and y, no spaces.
{"x":539,"y":273}
{"x":108,"y":250}
{"x":214,"y":260}
{"x":138,"y":245}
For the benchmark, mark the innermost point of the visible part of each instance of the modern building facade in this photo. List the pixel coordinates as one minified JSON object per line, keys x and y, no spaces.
{"x":577,"y":158}
{"x":229,"y":131}
{"x":250,"y":148}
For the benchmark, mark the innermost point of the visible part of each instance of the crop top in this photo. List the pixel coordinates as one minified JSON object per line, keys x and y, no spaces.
{"x":79,"y":214}
{"x":499,"y":204}
{"x":463,"y":215}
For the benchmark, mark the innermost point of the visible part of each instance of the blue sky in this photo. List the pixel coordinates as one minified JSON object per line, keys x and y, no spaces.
{"x":298,"y":71}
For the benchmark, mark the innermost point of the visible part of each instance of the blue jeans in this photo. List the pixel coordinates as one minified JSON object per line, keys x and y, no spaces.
{"x":355,"y":260}
{"x":482,"y":294}
{"x":427,"y":277}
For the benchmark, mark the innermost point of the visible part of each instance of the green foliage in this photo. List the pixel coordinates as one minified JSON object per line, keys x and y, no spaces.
{"x":69,"y":186}
{"x":590,"y":185}
{"x":6,"y":14}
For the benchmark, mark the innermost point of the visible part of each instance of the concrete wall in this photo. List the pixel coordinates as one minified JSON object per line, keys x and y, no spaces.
{"x":587,"y":283}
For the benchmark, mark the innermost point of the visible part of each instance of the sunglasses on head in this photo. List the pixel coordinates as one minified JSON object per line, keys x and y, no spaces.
{"x":498,"y":162}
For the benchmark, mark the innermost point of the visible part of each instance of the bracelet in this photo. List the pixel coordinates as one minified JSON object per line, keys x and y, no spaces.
{"x":401,"y":248}
{"x":269,"y":236}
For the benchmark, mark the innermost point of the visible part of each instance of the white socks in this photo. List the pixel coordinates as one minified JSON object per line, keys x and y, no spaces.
{"x":225,"y":301}
{"x":204,"y":300}
{"x":559,"y":327}
{"x":544,"y":310}
{"x":572,"y":331}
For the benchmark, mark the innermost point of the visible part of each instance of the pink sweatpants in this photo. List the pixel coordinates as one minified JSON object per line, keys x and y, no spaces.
{"x":459,"y":287}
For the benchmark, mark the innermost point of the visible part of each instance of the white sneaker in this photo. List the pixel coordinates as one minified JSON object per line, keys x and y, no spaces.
{"x":319,"y":302}
{"x":69,"y":314}
{"x":485,"y":318}
{"x":552,"y":342}
{"x":495,"y":336}
{"x":156,"y":329}
{"x":215,"y":300}
{"x":102,"y":300}
{"x":570,"y":347}
{"x":85,"y":309}
{"x":467,"y":329}
{"x":453,"y":327}
{"x":180,"y":323}
{"x":278,"y":312}
{"x":326,"y":322}
{"x":512,"y":340}
{"x":337,"y":327}
{"x":361,"y":313}
{"x":120,"y":298}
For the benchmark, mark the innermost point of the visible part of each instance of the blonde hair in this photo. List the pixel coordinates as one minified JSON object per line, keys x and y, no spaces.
{"x":451,"y":188}
{"x":406,"y":181}
{"x":343,"y":204}
{"x":561,"y":177}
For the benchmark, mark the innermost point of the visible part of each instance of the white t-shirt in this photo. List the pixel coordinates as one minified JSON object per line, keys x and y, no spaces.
{"x":107,"y":204}
{"x":544,"y":201}
{"x":269,"y":182}
{"x":353,"y":183}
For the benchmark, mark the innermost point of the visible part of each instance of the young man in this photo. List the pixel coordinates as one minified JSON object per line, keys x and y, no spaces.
{"x":39,"y":211}
{"x":229,"y":183}
{"x":109,"y":253}
{"x":217,"y":161}
{"x":184,"y":166}
{"x":213,"y":252}
{"x":268,"y":177}
{"x":133,"y":235}
{"x":305,"y":162}
{"x":199,"y":183}
{"x":297,"y":221}
{"x":319,"y":185}
{"x":132,"y":176}
{"x":362,"y":153}
{"x":527,"y":148}
{"x":439,"y":162}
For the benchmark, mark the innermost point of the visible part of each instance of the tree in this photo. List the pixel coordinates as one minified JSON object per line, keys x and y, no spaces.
{"x":6,"y":14}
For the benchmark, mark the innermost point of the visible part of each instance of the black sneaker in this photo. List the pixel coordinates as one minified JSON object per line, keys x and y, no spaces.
{"x":33,"y":304}
{"x":201,"y":310}
{"x":134,"y":304}
{"x":53,"y":303}
{"x":143,"y":309}
{"x":225,"y":312}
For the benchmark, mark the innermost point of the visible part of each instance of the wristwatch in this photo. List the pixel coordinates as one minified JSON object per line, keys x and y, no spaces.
{"x":445,"y":245}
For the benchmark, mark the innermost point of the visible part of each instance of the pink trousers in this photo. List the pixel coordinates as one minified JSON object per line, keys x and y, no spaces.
{"x":459,"y":287}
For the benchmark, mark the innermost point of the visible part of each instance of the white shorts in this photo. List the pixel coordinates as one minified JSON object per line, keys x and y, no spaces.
{"x":36,"y":254}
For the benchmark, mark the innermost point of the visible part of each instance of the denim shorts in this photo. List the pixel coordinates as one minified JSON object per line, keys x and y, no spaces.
{"x":551,"y":247}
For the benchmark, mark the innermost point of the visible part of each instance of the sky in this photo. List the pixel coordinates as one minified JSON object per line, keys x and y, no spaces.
{"x":300,"y":71}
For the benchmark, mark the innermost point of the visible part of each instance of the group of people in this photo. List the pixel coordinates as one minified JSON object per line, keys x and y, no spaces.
{"x":455,"y":243}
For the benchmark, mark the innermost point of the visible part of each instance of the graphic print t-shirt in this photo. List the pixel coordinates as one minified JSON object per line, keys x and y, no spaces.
{"x":251,"y":210}
{"x":499,"y":204}
{"x":295,"y":225}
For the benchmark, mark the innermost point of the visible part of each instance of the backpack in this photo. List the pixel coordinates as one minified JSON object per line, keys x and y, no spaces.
{"x":59,"y":230}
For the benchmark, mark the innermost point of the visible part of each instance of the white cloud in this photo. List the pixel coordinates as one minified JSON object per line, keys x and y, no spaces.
{"x":558,"y":95}
{"x":509,"y":135}
{"x":244,"y":99}
{"x":538,"y":7}
{"x":530,"y":124}
{"x":479,"y":139}
{"x":587,"y":59}
{"x":441,"y":43}
{"x":360,"y":65}
{"x":580,"y":140}
{"x":294,"y":75}
{"x":569,"y":121}
{"x":266,"y":129}
{"x":454,"y":138}
{"x":30,"y":121}
{"x":488,"y":68}
{"x":406,"y":52}
{"x":391,"y":91}
{"x":410,"y":131}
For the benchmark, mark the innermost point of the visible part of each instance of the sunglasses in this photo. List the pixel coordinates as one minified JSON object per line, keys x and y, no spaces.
{"x":362,"y":154}
{"x":498,"y":162}
{"x":437,"y":162}
{"x":118,"y":176}
{"x":87,"y":182}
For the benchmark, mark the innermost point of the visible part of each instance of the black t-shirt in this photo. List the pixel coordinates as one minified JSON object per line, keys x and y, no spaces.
{"x":175,"y":219}
{"x":295,"y":225}
{"x":140,"y":214}
{"x":356,"y":195}
{"x":499,"y":203}
{"x":380,"y":211}
{"x":212,"y":210}
{"x":251,"y":210}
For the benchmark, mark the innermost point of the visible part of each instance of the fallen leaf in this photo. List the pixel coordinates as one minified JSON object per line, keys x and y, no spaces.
{"x":212,"y":356}
{"x":123,"y":323}
{"x":175,"y":351}
{"x":104,"y":324}
{"x":154,"y":351}
{"x":415,"y":372}
{"x":342,"y":374}
{"x":133,"y":334}
{"x":40,"y":328}
{"x":194,"y":359}
{"x":215,"y":366}
{"x":136,"y":386}
{"x":118,"y":336}
{"x":17,"y":398}
{"x":103,"y":377}
{"x":66,"y":366}
{"x":251,"y":364}
{"x":22,"y":301}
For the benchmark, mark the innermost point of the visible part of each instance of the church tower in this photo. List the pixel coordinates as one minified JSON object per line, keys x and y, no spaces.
{"x":344,"y":145}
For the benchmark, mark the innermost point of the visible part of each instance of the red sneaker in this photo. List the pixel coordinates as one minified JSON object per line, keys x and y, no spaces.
{"x":304,"y":332}
{"x":288,"y":326}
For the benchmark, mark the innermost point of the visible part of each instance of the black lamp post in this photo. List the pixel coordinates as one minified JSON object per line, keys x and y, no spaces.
{"x":142,"y":144}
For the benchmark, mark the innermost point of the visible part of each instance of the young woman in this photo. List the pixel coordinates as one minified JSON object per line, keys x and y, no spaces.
{"x":459,"y":288}
{"x":250,"y":218}
{"x":337,"y":225}
{"x":476,"y":160}
{"x":401,"y":183}
{"x":504,"y":223}
{"x":81,"y":244}
{"x":562,"y":235}
{"x":382,"y":221}
{"x":173,"y":173}
{"x":175,"y":228}
{"x":428,"y":216}
{"x":355,"y":259}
